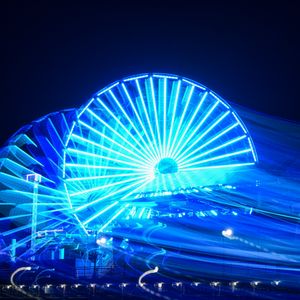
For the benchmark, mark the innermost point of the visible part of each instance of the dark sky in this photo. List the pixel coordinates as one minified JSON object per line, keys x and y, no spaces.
{"x":55,"y":55}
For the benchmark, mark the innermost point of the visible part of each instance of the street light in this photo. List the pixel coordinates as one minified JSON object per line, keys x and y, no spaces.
{"x":36,"y":179}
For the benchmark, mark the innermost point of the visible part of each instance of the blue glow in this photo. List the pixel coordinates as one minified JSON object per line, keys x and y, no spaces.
{"x":201,"y":136}
{"x":238,"y":120}
{"x":113,"y":141}
{"x":155,"y":153}
{"x":142,"y":212}
{"x":76,"y":137}
{"x":217,"y":148}
{"x":218,"y":167}
{"x":219,"y":157}
{"x":183,"y":135}
{"x":223,"y":132}
{"x":133,"y":126}
{"x":113,"y":218}
{"x":85,"y":108}
{"x":214,"y":212}
{"x":165,"y":117}
{"x":156,"y":117}
{"x":165,"y":76}
{"x":107,"y":89}
{"x":193,"y":84}
{"x":218,"y":99}
{"x":173,"y":116}
{"x":100,"y":213}
{"x":147,"y":117}
{"x":206,"y":116}
{"x":136,"y":77}
{"x":149,"y":213}
{"x":167,"y":166}
{"x":252,"y":148}
{"x":190,"y":93}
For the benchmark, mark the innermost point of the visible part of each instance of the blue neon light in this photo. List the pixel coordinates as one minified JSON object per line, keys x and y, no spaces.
{"x":151,"y":133}
{"x":160,"y":161}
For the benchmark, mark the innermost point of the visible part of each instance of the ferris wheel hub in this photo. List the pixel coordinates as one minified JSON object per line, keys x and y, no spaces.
{"x":167,"y":165}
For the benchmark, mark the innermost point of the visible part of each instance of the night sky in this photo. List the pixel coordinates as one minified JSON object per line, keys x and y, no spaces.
{"x":55,"y":55}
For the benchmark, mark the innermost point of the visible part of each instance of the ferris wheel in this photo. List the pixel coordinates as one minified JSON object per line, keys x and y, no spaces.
{"x":147,"y":134}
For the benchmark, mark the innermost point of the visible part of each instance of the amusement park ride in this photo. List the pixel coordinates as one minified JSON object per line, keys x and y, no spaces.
{"x":154,"y":172}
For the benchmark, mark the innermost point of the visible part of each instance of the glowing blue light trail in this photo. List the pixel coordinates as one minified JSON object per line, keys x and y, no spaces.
{"x":113,"y":218}
{"x":147,"y":117}
{"x":223,"y":116}
{"x":182,"y":117}
{"x":156,"y":117}
{"x":155,"y":153}
{"x":93,"y":217}
{"x":108,"y":89}
{"x":216,"y":148}
{"x":173,"y":116}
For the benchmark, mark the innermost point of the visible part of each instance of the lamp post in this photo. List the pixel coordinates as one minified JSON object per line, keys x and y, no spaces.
{"x":36,"y":179}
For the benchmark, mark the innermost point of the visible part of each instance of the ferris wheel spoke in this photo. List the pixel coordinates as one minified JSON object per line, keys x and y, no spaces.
{"x":55,"y":131}
{"x":121,"y":175}
{"x":15,"y":217}
{"x":190,"y":93}
{"x":188,"y":126}
{"x":165,"y":116}
{"x":54,"y":149}
{"x":90,"y":150}
{"x":71,"y":172}
{"x":223,"y":132}
{"x":113,"y":141}
{"x":104,"y":186}
{"x":69,"y":135}
{"x":109,"y":150}
{"x":101,"y":212}
{"x":51,"y":211}
{"x":116,"y":133}
{"x":85,"y":166}
{"x":61,"y":168}
{"x":252,"y":148}
{"x":156,"y":116}
{"x":105,"y":158}
{"x":233,"y":141}
{"x":173,"y":116}
{"x":147,"y":118}
{"x":153,"y":151}
{"x":123,"y":126}
{"x":219,"y":166}
{"x":119,"y":191}
{"x":216,"y":158}
{"x":119,"y":212}
{"x":207,"y":114}
{"x":21,"y":228}
{"x":143,"y":183}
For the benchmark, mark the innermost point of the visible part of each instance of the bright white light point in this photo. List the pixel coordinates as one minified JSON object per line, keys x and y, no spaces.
{"x":215,"y":283}
{"x":234,"y":283}
{"x":101,"y":241}
{"x":196,"y":283}
{"x":254,"y":283}
{"x":227,"y":233}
